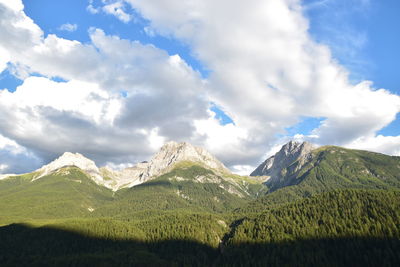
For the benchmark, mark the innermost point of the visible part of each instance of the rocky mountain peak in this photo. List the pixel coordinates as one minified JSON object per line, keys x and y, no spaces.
{"x":168,"y":155}
{"x":294,"y":148}
{"x":293,"y":154}
{"x":71,"y":159}
{"x":173,"y":152}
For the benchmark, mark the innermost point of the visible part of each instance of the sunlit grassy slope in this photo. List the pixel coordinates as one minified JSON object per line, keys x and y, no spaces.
{"x":67,"y":193}
{"x":70,"y":193}
{"x":187,"y":187}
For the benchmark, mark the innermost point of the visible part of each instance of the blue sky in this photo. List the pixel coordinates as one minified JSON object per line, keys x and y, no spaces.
{"x":209,"y":73}
{"x":57,"y":13}
{"x":338,"y":23}
{"x":363,"y":39}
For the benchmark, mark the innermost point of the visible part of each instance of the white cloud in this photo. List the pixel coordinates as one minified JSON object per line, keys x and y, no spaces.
{"x":149,"y":31}
{"x":10,"y":145}
{"x":118,"y":167}
{"x":68,"y":27}
{"x":266,"y":73}
{"x":4,"y":59}
{"x":91,"y":9}
{"x":15,"y":158}
{"x":334,"y":24}
{"x":117,"y":9}
{"x":3,"y":167}
{"x":13,"y":5}
{"x":242,"y":169}
{"x":87,"y":113}
{"x":383,"y":144}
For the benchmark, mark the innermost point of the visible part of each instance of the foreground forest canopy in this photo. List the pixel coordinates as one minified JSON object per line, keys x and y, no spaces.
{"x":330,"y":207}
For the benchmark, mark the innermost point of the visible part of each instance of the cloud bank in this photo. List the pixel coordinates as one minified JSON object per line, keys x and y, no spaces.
{"x":120,"y":99}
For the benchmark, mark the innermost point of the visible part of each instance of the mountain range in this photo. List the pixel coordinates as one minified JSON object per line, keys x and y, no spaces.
{"x":170,"y":154}
{"x":183,"y":193}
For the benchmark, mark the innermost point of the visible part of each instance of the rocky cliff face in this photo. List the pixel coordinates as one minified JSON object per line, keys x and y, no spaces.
{"x":173,"y":152}
{"x":282,"y":167}
{"x":127,"y":177}
{"x":170,"y":154}
{"x":71,"y":159}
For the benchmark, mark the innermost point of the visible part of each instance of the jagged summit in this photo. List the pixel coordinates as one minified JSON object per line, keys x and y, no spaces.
{"x":169,"y":154}
{"x":71,"y":159}
{"x":293,"y":147}
{"x":276,"y":166}
{"x":173,"y":152}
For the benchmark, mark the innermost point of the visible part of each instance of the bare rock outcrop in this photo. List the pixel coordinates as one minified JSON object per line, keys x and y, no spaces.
{"x":169,"y":155}
{"x":282,"y":167}
{"x":71,"y":159}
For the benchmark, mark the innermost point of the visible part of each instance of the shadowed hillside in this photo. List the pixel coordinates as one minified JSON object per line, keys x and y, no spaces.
{"x":22,"y":245}
{"x":339,"y":228}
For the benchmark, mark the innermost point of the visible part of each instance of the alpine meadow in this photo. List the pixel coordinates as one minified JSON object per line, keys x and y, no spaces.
{"x":199,"y":133}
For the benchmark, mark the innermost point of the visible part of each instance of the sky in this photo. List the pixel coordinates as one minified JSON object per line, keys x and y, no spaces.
{"x":116,"y":79}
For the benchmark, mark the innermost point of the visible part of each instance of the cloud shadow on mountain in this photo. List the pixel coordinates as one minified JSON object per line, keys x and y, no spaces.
{"x":23,"y":245}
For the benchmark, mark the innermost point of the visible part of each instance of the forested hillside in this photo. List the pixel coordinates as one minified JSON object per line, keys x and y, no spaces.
{"x":330,"y":168}
{"x":344,"y":210}
{"x":339,"y":228}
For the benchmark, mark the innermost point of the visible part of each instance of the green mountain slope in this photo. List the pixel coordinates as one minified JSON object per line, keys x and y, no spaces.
{"x":331,"y":168}
{"x":188,"y":186}
{"x":69,"y":192}
{"x":340,"y":228}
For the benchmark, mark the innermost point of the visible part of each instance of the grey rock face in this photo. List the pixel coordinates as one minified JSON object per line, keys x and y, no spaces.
{"x":72,"y":159}
{"x":283,"y":166}
{"x":173,"y":152}
{"x":169,"y":154}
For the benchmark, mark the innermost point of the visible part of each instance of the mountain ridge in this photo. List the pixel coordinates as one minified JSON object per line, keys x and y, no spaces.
{"x":332,"y":193}
{"x":71,"y":159}
{"x":277,"y":166}
{"x":331,"y":168}
{"x":163,"y":161}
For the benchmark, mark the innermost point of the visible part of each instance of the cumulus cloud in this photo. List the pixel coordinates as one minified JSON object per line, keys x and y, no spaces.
{"x":116,"y":8}
{"x":91,"y":9}
{"x":68,"y":27}
{"x":88,"y":113}
{"x":383,"y":144}
{"x":14,"y":158}
{"x":3,"y":167}
{"x":122,"y":99}
{"x":267,"y":71}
